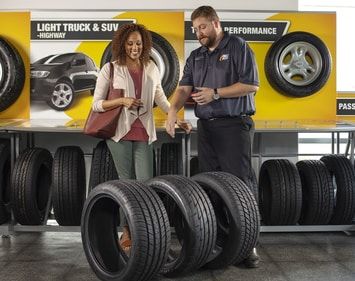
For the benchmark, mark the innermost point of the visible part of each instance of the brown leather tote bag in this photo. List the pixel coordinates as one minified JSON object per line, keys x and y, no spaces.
{"x":103,"y":124}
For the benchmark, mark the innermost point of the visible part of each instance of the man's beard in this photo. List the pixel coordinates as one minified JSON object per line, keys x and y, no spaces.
{"x":209,"y":42}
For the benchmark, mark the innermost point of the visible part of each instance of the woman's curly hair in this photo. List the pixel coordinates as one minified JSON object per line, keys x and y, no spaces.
{"x":120,"y":37}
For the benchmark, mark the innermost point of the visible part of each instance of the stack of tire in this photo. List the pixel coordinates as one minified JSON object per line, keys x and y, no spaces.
{"x":215,"y":217}
{"x":40,"y":181}
{"x":312,"y":192}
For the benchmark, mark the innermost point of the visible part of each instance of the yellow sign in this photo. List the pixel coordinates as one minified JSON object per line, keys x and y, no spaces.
{"x":272,"y":105}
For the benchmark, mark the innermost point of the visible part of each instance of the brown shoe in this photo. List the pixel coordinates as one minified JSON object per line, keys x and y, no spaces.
{"x":125,"y":240}
{"x":253,"y":260}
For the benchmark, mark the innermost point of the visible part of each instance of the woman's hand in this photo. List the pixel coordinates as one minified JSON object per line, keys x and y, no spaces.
{"x":132,"y":103}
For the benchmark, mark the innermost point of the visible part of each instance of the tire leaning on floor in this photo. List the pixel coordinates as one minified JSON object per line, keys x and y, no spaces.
{"x":317,"y":193}
{"x":102,"y":166}
{"x":343,"y":174}
{"x":238,"y":221}
{"x":68,"y":185}
{"x":12,"y":74}
{"x":148,"y":224}
{"x":194,"y":221}
{"x":280,"y":192}
{"x":5,"y":172}
{"x":30,"y":183}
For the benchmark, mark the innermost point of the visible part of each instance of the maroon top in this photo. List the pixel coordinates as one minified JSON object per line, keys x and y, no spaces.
{"x":137,"y":132}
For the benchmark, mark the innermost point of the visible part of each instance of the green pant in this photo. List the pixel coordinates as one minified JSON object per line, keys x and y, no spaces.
{"x":133,"y":159}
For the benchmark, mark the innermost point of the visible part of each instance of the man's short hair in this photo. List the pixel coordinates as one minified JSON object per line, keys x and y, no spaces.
{"x":206,"y":12}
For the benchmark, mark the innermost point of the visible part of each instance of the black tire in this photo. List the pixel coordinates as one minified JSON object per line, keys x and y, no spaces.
{"x":12,"y":74}
{"x":30,"y":183}
{"x":164,"y":56}
{"x":194,"y":169}
{"x":280,"y":192}
{"x":343,"y":175}
{"x":252,"y":183}
{"x":169,"y":159}
{"x":238,"y":221}
{"x":5,"y":172}
{"x":68,"y":185}
{"x":102,"y":166}
{"x":317,"y":193}
{"x":62,"y":96}
{"x":154,"y":164}
{"x":308,"y":64}
{"x":194,"y":221}
{"x":148,"y":224}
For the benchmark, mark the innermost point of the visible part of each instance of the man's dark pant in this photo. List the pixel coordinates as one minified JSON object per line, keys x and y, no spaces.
{"x":225,"y":144}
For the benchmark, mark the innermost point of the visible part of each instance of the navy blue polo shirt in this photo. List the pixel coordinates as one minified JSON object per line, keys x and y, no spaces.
{"x":231,"y":62}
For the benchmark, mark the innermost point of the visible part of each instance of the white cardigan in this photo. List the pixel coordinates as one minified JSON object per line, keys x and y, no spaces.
{"x":152,"y":91}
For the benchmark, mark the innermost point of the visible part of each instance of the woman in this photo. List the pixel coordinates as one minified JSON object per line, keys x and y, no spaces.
{"x":131,"y":147}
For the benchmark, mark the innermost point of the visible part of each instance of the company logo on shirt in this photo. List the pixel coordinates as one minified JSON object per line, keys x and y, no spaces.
{"x":223,"y":57}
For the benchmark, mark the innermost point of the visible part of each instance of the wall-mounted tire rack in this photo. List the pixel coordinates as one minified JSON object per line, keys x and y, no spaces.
{"x":18,"y":129}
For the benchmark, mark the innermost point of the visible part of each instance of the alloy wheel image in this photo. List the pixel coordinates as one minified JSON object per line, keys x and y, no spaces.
{"x":62,"y":96}
{"x":298,"y":64}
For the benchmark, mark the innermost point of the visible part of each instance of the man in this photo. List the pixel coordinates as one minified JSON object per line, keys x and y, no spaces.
{"x":222,"y":77}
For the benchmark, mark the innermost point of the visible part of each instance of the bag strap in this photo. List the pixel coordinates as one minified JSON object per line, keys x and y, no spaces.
{"x":111,"y":75}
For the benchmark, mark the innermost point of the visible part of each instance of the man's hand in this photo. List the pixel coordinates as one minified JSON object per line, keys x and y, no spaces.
{"x":203,"y":96}
{"x":185,"y":125}
{"x":170,"y":123}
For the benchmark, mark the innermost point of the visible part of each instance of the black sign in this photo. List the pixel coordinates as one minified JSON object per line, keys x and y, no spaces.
{"x":262,"y":31}
{"x":75,"y":29}
{"x":346,"y":106}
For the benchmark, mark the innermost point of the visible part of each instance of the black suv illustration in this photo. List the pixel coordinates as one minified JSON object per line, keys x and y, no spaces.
{"x":56,"y":78}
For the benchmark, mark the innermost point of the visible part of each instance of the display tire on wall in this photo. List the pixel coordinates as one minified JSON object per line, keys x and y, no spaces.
{"x":5,"y":172}
{"x":68,"y":185}
{"x":194,"y":221}
{"x":169,"y":159}
{"x":12,"y":74}
{"x":148,"y":224}
{"x":62,"y":96}
{"x":164,"y":56}
{"x":102,"y":166}
{"x":317,"y":193}
{"x":280,"y":192}
{"x":343,"y":175}
{"x":298,"y":64}
{"x":30,"y":183}
{"x":237,"y":213}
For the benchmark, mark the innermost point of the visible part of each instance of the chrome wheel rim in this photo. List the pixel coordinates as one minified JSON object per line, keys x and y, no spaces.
{"x":300,"y":63}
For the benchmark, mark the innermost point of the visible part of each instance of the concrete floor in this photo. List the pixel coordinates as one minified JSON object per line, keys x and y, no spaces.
{"x":285,"y":256}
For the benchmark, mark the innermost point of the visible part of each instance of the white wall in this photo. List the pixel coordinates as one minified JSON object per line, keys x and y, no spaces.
{"x":240,"y":5}
{"x":345,"y":13}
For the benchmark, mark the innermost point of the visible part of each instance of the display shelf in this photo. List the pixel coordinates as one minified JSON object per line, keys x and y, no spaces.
{"x":5,"y":229}
{"x":45,"y":228}
{"x":306,"y":228}
{"x":15,"y":128}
